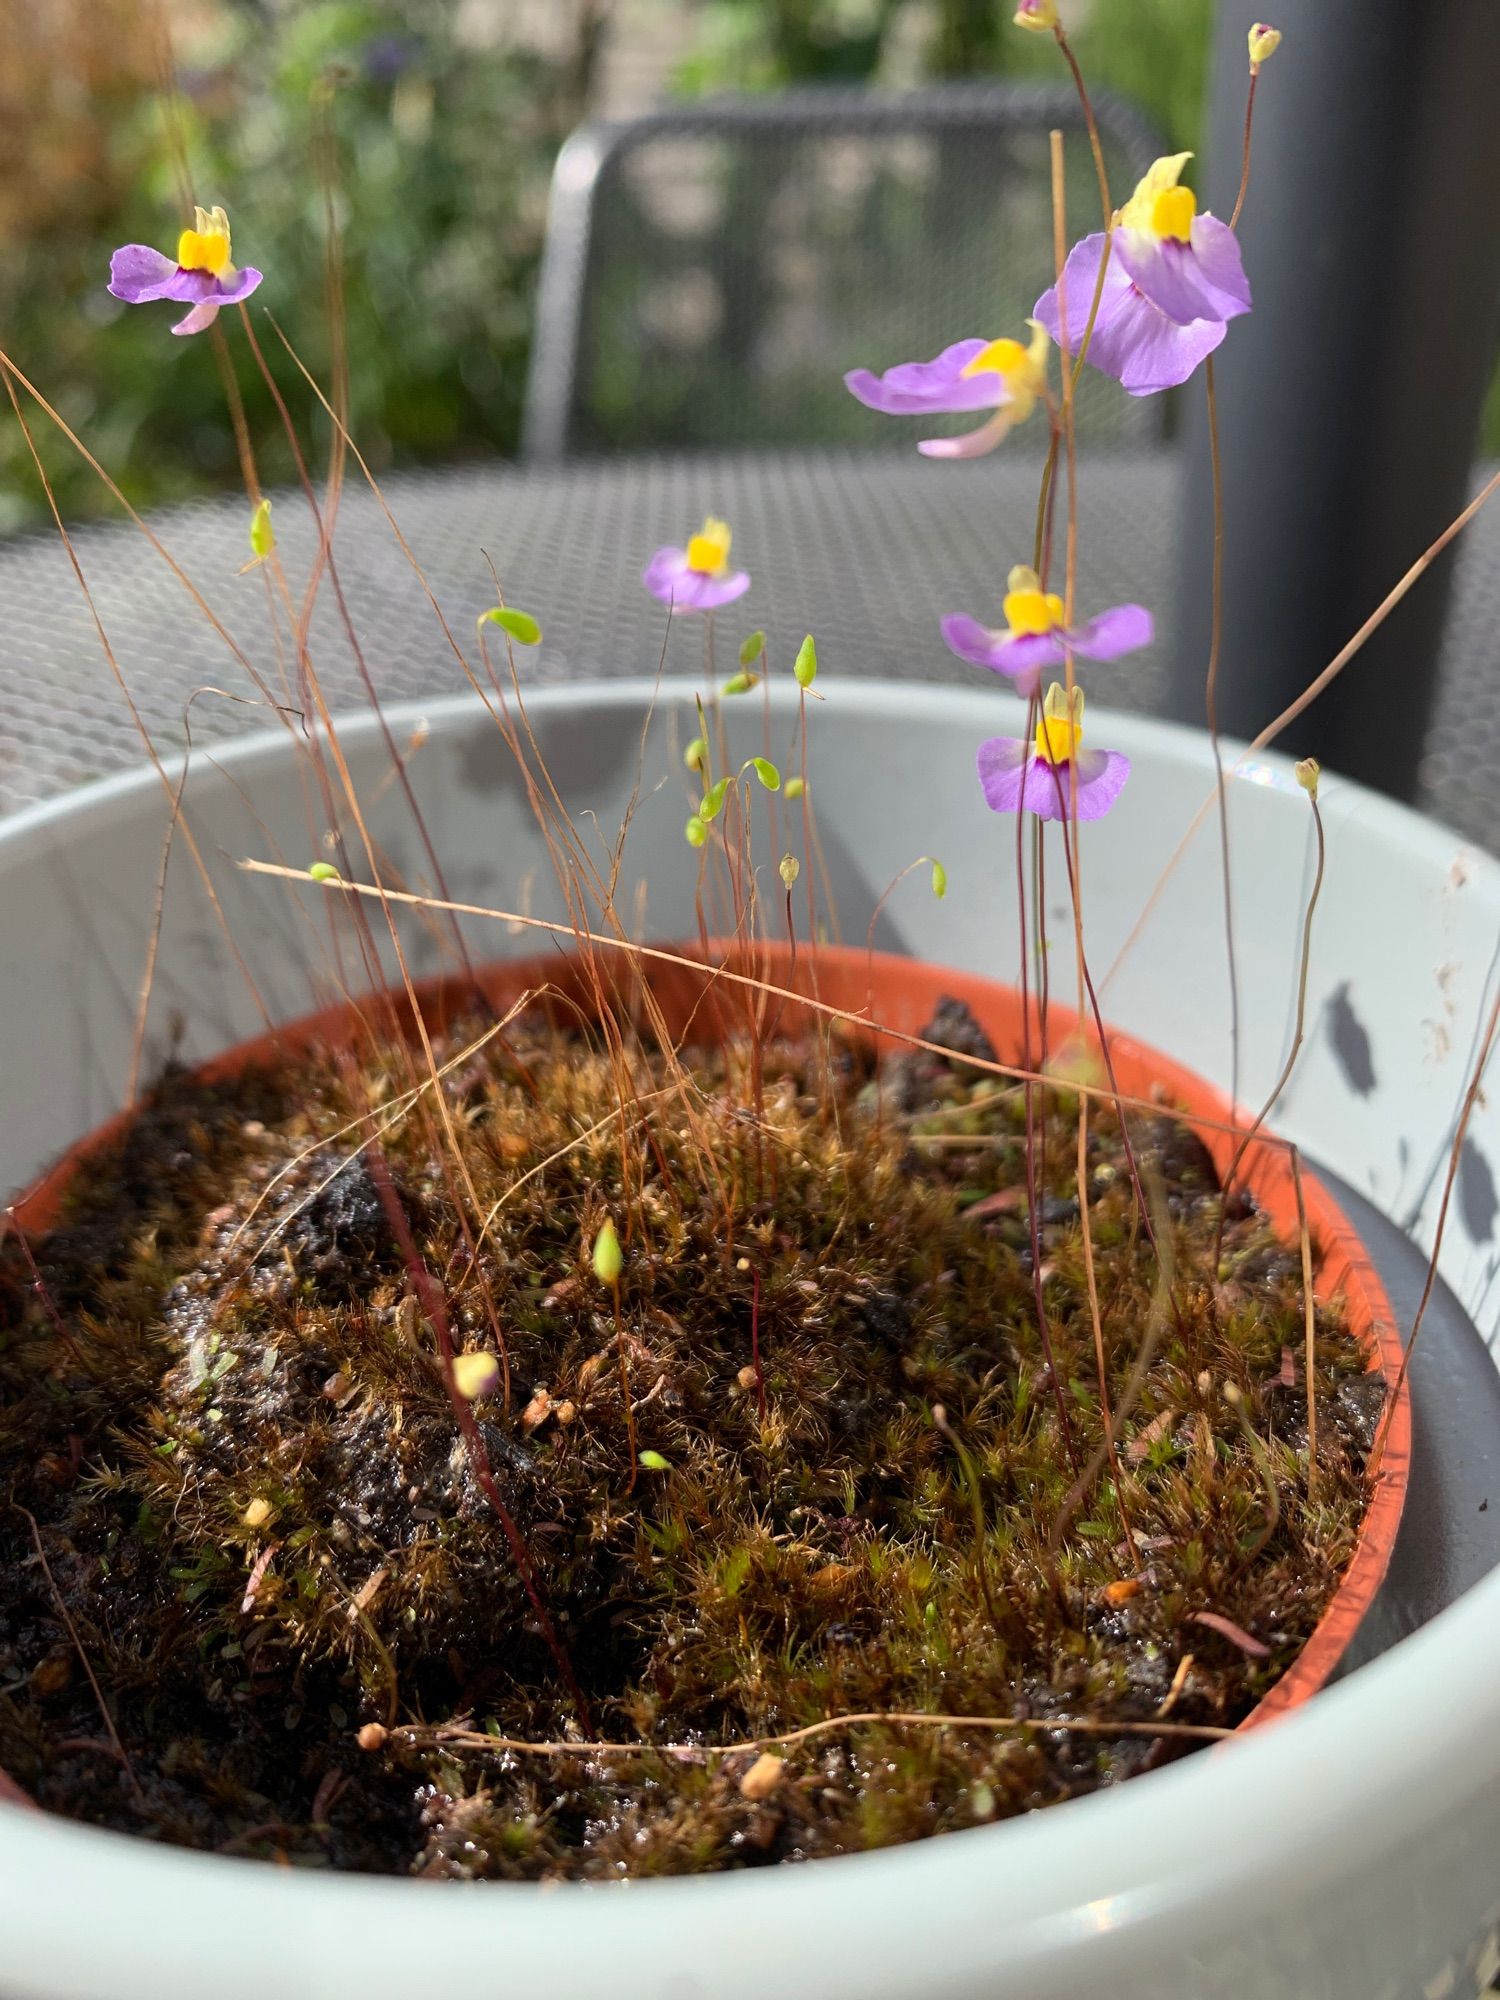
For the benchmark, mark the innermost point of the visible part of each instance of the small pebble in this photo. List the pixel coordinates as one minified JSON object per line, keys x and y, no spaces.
{"x":536,"y":1411}
{"x":336,"y":1386}
{"x":372,"y":1736}
{"x":762,"y":1778}
{"x":257,"y":1514}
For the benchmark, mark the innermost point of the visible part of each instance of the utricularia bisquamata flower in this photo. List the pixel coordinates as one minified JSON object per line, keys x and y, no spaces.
{"x":1038,"y":777}
{"x":1001,"y":376}
{"x":697,"y":578}
{"x":202,"y":275}
{"x":1174,"y":281}
{"x":1036,"y":636}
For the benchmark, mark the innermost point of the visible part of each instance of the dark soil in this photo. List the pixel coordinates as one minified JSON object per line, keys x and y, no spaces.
{"x":235,"y":1493}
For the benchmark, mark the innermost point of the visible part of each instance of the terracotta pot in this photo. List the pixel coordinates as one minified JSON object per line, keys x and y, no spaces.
{"x":900,"y":995}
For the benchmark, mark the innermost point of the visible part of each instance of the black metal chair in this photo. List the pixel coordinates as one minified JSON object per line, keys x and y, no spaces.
{"x":712,"y":270}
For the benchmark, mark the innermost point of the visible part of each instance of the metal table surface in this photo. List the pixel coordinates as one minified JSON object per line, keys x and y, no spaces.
{"x":864,"y":550}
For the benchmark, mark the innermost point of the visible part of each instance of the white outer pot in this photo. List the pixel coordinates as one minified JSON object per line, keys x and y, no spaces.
{"x":1350,"y":1853}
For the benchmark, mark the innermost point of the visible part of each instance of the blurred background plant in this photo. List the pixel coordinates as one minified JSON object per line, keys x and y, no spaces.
{"x":445,"y":117}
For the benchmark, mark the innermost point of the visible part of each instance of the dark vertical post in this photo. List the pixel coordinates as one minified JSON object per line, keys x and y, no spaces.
{"x":1349,"y":399}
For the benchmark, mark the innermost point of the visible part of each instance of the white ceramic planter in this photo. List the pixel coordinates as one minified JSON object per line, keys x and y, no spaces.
{"x":1350,"y":1853}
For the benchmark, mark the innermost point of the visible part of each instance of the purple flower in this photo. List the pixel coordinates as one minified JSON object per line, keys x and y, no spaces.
{"x":1017,"y":776}
{"x":997,"y":375}
{"x":202,"y":277}
{"x":1035,"y":635}
{"x":697,"y":578}
{"x":1175,"y":280}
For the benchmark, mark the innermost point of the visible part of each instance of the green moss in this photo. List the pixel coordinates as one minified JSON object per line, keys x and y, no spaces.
{"x":268,"y":1532}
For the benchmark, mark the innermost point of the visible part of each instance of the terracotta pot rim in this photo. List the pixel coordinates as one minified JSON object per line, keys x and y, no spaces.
{"x":915,"y":985}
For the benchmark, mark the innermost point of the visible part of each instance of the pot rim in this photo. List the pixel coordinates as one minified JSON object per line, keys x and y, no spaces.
{"x":1099,"y":1887}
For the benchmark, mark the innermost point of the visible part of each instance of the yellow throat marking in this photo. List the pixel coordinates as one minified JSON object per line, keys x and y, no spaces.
{"x":1159,"y":207}
{"x":708,"y":551}
{"x":1030,"y":611}
{"x":1060,"y":732}
{"x":205,"y":247}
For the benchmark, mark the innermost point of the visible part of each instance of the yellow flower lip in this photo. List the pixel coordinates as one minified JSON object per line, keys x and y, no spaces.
{"x":708,"y":550}
{"x":1160,"y":207}
{"x":1029,"y":611}
{"x":1060,"y":730}
{"x":1023,"y":370}
{"x":205,"y":247}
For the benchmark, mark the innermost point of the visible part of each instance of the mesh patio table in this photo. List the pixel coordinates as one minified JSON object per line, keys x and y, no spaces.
{"x":865,"y":550}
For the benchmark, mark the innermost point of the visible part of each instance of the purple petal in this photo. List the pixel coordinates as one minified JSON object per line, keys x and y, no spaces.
{"x":240,"y":286}
{"x":1002,"y":772}
{"x":138,"y":273}
{"x":1080,"y":275}
{"x":1011,"y":777}
{"x":1101,"y":779}
{"x":1021,"y":660}
{"x":1125,"y":629}
{"x":972,"y":444}
{"x":1143,"y":349}
{"x":1220,"y":266}
{"x":923,"y":388}
{"x":1179,"y":281}
{"x":664,"y":573}
{"x":668,"y":578}
{"x":202,"y":315}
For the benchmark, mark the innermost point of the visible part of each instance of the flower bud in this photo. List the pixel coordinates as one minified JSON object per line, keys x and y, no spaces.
{"x":1264,"y":42}
{"x":262,"y":540}
{"x":1038,"y":15}
{"x":740,"y":683}
{"x":751,"y":647}
{"x":793,"y":788}
{"x":476,"y":1375}
{"x":1308,"y":773}
{"x":696,"y":754}
{"x":695,"y":833}
{"x":609,"y":1258}
{"x":939,"y":880}
{"x":791,"y":868}
{"x":323,"y":871}
{"x":805,"y":666}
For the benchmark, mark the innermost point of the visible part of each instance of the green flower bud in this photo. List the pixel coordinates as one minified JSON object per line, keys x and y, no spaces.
{"x":652,"y":1461}
{"x":749,"y":648}
{"x":609,"y":1258}
{"x":713,"y":800}
{"x":323,"y":871}
{"x":262,"y":541}
{"x":695,"y":833}
{"x":793,"y":788}
{"x":767,"y":772}
{"x":805,"y":666}
{"x":939,"y":880}
{"x":696,"y":754}
{"x":741,"y":683}
{"x":1308,"y":773}
{"x":791,"y":868}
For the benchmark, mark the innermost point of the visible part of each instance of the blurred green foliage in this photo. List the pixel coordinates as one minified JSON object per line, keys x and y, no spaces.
{"x":427,"y":132}
{"x":431,"y":155}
